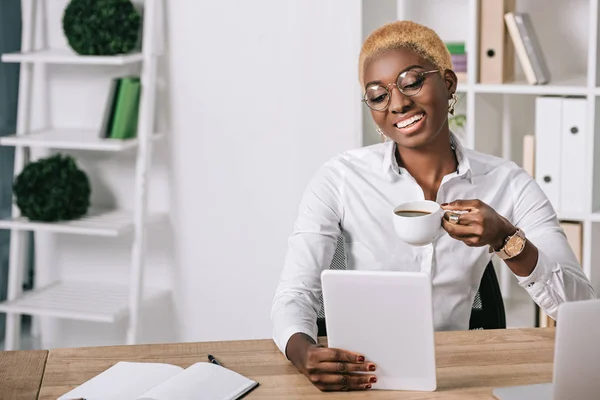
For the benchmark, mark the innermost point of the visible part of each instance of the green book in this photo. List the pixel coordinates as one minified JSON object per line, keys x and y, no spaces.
{"x":456,"y":47}
{"x":109,"y":110}
{"x":125,"y":119}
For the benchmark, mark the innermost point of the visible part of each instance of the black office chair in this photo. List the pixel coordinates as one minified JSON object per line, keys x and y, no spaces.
{"x":488,"y":307}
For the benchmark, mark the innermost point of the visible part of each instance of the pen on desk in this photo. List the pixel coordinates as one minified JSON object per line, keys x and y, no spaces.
{"x":213,"y":360}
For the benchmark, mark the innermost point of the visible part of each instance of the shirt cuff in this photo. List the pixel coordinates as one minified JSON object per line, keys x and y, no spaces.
{"x":282,"y":340}
{"x":542,"y":271}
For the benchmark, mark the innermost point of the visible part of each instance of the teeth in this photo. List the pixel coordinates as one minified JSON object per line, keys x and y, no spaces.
{"x":411,"y":120}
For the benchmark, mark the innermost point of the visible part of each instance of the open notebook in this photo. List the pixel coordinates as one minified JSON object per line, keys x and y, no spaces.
{"x":154,"y":381}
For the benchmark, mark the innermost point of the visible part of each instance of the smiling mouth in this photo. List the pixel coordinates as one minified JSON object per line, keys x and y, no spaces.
{"x":406,"y":123}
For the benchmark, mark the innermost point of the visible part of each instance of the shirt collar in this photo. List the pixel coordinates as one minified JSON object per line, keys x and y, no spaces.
{"x":464,"y":166}
{"x":389,"y":159}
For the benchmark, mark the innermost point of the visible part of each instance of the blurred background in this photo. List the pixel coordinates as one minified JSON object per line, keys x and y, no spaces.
{"x":189,"y":130}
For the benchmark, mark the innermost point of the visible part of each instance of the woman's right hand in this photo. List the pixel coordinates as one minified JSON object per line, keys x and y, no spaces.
{"x":330,"y":369}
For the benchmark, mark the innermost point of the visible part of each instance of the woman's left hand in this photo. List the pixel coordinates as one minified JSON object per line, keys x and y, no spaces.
{"x":477,"y":225}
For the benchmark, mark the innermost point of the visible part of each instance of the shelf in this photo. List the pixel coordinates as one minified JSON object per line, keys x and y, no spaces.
{"x":71,"y":139}
{"x":97,"y":223}
{"x":463,"y":87}
{"x":60,"y":56}
{"x":86,"y":301}
{"x":577,"y":217}
{"x":561,"y":86}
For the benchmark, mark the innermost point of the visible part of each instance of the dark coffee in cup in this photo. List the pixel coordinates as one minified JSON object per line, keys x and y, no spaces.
{"x":419,"y":222}
{"x":411,"y":213}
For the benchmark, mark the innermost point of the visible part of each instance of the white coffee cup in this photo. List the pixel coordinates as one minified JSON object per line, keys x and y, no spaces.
{"x":419,"y":230}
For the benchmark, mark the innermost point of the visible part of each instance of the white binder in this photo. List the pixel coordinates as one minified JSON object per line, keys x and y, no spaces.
{"x":573,"y":173}
{"x":548,"y":160}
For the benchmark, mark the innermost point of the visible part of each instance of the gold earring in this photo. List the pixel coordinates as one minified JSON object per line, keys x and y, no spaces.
{"x":453,"y":101}
{"x":383,"y":137}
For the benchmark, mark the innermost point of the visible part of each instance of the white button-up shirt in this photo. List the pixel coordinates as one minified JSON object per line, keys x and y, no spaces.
{"x":354,"y":194}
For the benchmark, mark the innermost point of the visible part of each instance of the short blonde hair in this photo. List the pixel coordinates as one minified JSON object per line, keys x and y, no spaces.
{"x":405,"y":35}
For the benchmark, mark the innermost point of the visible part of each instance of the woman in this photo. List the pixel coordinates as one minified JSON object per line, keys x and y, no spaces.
{"x":410,"y":87}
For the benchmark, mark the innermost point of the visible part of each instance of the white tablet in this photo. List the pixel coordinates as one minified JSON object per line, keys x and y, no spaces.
{"x":388,"y":317}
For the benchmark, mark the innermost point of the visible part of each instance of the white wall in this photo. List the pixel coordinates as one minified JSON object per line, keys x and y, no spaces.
{"x":258,"y":95}
{"x":263,"y":92}
{"x":374,"y":15}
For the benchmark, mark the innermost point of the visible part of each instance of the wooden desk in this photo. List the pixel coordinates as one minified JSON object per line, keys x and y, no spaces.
{"x":21,"y":374}
{"x":469,"y":364}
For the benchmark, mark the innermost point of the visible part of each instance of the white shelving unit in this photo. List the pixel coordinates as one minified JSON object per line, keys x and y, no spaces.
{"x":498,"y":115}
{"x":67,"y":57}
{"x":88,"y":300}
{"x":80,"y":300}
{"x":107,"y":223}
{"x":71,"y":139}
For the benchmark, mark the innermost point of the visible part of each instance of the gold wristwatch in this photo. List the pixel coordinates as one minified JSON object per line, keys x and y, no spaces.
{"x":513,"y":245}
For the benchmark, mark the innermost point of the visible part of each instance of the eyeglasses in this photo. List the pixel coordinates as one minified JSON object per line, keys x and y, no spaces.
{"x":377,"y":97}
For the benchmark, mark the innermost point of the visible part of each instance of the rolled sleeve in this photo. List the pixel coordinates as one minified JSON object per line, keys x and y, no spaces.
{"x":557,"y":276}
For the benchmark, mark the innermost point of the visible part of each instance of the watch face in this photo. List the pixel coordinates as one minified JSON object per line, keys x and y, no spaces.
{"x":514,"y":245}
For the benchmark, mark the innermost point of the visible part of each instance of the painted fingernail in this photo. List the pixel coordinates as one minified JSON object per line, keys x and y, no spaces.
{"x":373,"y":379}
{"x":444,"y":204}
{"x":371,"y":367}
{"x":368,"y":386}
{"x":361,"y":358}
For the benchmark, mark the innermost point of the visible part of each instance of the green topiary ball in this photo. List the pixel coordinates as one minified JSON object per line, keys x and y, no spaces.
{"x":52,"y":189}
{"x":101,"y":27}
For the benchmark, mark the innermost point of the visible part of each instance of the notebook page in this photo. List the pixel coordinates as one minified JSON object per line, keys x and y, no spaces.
{"x":123,"y":381}
{"x":202,"y":380}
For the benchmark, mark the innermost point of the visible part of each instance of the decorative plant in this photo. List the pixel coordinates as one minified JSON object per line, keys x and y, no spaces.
{"x":101,"y":27}
{"x":457,"y":121}
{"x":52,"y":189}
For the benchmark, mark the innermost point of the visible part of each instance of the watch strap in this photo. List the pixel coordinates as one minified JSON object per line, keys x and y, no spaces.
{"x":502,"y":251}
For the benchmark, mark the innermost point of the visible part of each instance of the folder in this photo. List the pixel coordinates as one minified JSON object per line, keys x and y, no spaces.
{"x":573,"y":172}
{"x":548,"y":159}
{"x":529,"y":154}
{"x":496,"y":50}
{"x":574,"y":233}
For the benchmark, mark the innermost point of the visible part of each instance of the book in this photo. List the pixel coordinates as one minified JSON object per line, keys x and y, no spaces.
{"x":109,"y":111}
{"x":456,"y":47}
{"x":513,"y":30}
{"x":458,"y":55}
{"x":533,"y":48}
{"x":527,"y":48}
{"x":125,"y":119}
{"x":157,"y":381}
